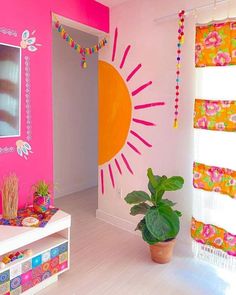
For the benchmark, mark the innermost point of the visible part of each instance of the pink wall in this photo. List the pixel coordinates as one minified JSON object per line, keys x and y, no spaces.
{"x":19,"y":15}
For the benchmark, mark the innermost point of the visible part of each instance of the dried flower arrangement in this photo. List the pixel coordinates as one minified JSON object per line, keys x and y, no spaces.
{"x":9,"y":191}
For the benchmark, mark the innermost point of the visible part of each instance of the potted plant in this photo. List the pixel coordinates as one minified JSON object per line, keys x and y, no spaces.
{"x":41,"y":199}
{"x":160,"y":224}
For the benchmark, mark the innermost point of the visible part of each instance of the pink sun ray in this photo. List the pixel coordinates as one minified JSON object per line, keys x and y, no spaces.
{"x":133,"y":148}
{"x":141,"y":88}
{"x":126,"y":163}
{"x":124,"y":56}
{"x":102,"y":180}
{"x":114,"y":44}
{"x":111,"y":175}
{"x":133,"y":72}
{"x":149,"y":105}
{"x":140,"y":138}
{"x":146,"y":123}
{"x":118,"y":166}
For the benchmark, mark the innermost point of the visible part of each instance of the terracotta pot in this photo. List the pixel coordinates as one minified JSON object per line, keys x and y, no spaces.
{"x":162,"y":252}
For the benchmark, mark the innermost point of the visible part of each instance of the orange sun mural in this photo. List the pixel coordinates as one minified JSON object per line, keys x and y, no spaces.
{"x":116,"y":111}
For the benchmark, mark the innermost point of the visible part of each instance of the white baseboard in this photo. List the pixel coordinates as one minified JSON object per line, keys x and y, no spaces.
{"x":116,"y":221}
{"x":72,"y":189}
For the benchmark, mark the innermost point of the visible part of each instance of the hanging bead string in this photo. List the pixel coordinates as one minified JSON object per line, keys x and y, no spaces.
{"x":84,"y":51}
{"x":179,"y":44}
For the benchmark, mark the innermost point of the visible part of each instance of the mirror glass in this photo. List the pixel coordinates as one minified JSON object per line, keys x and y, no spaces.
{"x":10,"y":67}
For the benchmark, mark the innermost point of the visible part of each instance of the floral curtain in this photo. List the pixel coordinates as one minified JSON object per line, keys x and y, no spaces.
{"x":218,"y":115}
{"x":216,"y":44}
{"x":214,"y":170}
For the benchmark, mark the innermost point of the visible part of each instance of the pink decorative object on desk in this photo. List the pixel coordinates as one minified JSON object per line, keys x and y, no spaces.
{"x":41,"y":203}
{"x":41,"y":199}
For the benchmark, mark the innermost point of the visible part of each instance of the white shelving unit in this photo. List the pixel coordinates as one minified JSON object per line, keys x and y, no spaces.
{"x":47,"y":245}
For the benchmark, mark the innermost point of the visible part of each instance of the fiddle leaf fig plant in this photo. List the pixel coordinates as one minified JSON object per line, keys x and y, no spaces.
{"x":161,"y":221}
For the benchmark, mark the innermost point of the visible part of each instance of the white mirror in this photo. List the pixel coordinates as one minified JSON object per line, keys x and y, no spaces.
{"x":10,"y":92}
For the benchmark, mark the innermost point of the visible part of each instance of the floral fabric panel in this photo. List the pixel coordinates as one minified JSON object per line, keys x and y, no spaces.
{"x":215,"y":44}
{"x":214,"y":236}
{"x":218,"y":115}
{"x":215,"y":179}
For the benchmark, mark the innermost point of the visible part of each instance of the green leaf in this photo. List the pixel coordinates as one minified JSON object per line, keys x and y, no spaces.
{"x":163,"y":223}
{"x":137,"y":197}
{"x":158,"y":195}
{"x":173,"y":183}
{"x":146,"y":235}
{"x":140,"y":225}
{"x":139,"y":209}
{"x":152,"y":179}
{"x":150,"y":187}
{"x":178,"y":213}
{"x":166,"y":202}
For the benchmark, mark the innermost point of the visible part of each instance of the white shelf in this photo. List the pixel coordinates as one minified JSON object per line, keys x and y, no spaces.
{"x":38,"y":247}
{"x":39,"y":240}
{"x":15,"y":237}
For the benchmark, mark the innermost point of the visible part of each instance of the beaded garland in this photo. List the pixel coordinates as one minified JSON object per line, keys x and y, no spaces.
{"x":179,"y":44}
{"x":83,"y":51}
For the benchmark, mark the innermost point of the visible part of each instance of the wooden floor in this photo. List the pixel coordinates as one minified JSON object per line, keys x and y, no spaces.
{"x":106,"y":260}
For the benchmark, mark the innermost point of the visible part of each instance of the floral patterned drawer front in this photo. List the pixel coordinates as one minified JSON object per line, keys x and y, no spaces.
{"x":211,"y":178}
{"x":212,"y":235}
{"x":27,"y":274}
{"x":218,"y":115}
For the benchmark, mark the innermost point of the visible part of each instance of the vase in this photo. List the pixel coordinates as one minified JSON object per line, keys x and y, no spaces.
{"x":41,"y":203}
{"x":162,"y":252}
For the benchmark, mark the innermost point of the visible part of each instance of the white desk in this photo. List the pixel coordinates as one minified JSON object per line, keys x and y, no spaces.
{"x":53,"y":238}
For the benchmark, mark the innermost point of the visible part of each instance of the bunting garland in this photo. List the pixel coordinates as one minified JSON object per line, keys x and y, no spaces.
{"x":83,"y":51}
{"x":179,"y":44}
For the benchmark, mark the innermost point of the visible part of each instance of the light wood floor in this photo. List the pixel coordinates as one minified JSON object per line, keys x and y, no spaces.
{"x":106,"y":260}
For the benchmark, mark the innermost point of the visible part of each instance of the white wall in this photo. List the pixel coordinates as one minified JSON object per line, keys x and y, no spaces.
{"x":75,"y":115}
{"x":154,"y":45}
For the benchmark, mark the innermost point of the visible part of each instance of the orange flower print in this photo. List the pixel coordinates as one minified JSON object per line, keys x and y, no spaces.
{"x":230,"y":239}
{"x":225,"y":103}
{"x":213,"y":39}
{"x":211,"y":108}
{"x":222,"y":59}
{"x":202,"y":123}
{"x":208,"y":231}
{"x":215,"y":174}
{"x":220,"y":126}
{"x":218,"y":241}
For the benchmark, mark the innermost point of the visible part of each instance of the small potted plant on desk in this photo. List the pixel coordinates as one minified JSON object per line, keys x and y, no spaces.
{"x":41,"y":199}
{"x":160,"y":224}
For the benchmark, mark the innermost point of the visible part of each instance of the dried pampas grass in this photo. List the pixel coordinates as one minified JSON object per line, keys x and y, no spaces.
{"x":9,"y":192}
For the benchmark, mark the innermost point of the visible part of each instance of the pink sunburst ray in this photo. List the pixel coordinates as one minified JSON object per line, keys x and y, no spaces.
{"x":126,"y":163}
{"x":124,"y":56}
{"x":133,"y":147}
{"x":111,"y":176}
{"x":146,"y":123}
{"x":118,"y":166}
{"x":140,"y":138}
{"x":102,"y":180}
{"x":141,"y":88}
{"x":133,"y":72}
{"x":149,"y":105}
{"x":114,"y":44}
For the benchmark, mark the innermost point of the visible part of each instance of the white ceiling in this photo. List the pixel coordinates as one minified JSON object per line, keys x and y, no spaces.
{"x":111,"y":3}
